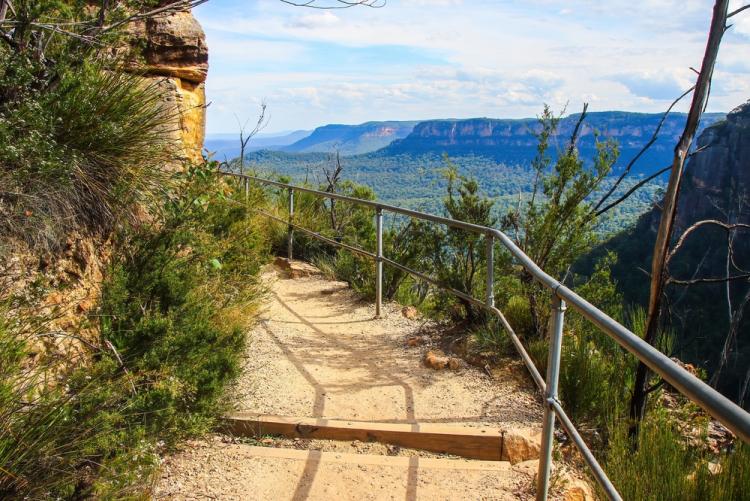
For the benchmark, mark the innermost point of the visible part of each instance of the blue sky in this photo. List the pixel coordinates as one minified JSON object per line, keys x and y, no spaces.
{"x":422,"y":59}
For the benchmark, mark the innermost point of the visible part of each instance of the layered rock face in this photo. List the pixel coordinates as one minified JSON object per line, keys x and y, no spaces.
{"x":717,"y":182}
{"x":513,"y":141}
{"x":171,"y":49}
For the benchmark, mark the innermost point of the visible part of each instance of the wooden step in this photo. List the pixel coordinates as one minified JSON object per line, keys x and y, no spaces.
{"x":484,"y":443}
{"x":379,"y":460}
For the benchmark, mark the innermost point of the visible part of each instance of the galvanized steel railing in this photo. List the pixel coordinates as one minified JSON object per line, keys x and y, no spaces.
{"x":724,"y":410}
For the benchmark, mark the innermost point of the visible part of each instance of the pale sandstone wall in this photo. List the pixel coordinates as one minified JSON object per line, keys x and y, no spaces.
{"x":171,"y":49}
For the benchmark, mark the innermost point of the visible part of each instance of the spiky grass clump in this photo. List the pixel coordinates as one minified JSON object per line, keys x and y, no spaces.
{"x":82,"y":155}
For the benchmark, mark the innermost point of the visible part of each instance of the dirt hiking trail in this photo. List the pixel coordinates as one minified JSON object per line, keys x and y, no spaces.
{"x":336,"y":404}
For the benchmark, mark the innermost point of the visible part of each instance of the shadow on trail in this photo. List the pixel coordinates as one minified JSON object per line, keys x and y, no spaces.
{"x":361,"y":358}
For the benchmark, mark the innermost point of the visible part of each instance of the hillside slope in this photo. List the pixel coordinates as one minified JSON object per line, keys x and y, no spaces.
{"x":227,"y":146}
{"x":716,"y":184}
{"x":351,"y":139}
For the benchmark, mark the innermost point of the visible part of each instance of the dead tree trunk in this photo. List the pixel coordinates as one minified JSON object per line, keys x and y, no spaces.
{"x":669,"y":208}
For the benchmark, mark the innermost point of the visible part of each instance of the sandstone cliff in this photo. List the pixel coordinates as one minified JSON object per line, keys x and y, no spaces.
{"x":717,"y":181}
{"x":171,"y":49}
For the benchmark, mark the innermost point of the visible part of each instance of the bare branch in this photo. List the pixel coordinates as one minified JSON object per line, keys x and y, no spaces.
{"x":178,"y":6}
{"x":639,"y":184}
{"x":336,"y":4}
{"x":635,"y":159}
{"x":577,"y":129}
{"x":715,"y":222}
{"x":4,"y":4}
{"x":666,"y":222}
{"x":708,"y":280}
{"x":737,"y":11}
{"x":633,"y":189}
{"x":246,"y":137}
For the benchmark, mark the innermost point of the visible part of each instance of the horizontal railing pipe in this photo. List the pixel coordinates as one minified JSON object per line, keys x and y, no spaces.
{"x":717,"y":405}
{"x":372,"y":204}
{"x":331,"y":241}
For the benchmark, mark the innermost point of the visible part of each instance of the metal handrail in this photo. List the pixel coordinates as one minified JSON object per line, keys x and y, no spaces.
{"x":717,"y":405}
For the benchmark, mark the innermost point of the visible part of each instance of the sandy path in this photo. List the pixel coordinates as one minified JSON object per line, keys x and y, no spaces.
{"x":317,"y":351}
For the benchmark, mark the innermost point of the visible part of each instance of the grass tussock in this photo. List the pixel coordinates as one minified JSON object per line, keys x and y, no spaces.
{"x":82,"y":155}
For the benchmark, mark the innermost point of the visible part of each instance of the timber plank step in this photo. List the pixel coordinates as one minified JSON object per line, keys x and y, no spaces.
{"x":378,"y":460}
{"x":475,"y":443}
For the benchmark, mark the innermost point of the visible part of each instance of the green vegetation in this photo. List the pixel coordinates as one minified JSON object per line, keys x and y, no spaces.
{"x":668,"y":466}
{"x":417,"y":181}
{"x":86,"y":152}
{"x":172,"y":322}
{"x":75,"y":139}
{"x":554,"y":226}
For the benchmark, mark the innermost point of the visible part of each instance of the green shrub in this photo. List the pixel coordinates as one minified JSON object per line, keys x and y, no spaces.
{"x":81,"y":155}
{"x":667,"y":467}
{"x":516,"y":311}
{"x":176,"y":303}
{"x":173,"y":320}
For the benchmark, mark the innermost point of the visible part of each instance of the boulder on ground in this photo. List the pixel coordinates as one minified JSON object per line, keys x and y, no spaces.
{"x":409,"y":312}
{"x":578,"y":490}
{"x":414,"y":341}
{"x":296,"y":269}
{"x":521,"y":445}
{"x":436,"y":360}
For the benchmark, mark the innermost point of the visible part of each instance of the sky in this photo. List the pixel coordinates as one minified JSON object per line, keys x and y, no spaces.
{"x":428,"y":59}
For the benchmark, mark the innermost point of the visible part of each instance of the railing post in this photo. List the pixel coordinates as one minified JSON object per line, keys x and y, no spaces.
{"x":378,"y":261}
{"x":290,"y":228}
{"x":247,"y":188}
{"x":490,"y":297}
{"x":553,"y":374}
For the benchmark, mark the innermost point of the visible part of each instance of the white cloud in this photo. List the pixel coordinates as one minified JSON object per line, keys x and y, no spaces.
{"x":323,"y":19}
{"x":446,"y":58}
{"x":662,"y":85}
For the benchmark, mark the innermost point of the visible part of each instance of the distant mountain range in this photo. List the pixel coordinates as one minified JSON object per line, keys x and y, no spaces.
{"x":514,"y":142}
{"x":227,"y":146}
{"x":507,"y":141}
{"x":352,"y":139}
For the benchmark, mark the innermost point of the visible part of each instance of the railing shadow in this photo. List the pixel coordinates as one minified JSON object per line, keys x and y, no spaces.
{"x":307,"y":478}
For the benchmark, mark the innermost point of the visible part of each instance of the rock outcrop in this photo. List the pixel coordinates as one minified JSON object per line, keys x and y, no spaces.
{"x":171,"y":49}
{"x":717,"y":180}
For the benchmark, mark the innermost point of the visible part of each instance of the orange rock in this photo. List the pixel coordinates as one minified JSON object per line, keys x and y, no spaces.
{"x":414,"y":341}
{"x":409,"y":312}
{"x":578,"y":490}
{"x":55,"y":298}
{"x":85,"y":305}
{"x":521,"y":445}
{"x":435,"y":360}
{"x":454,"y":363}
